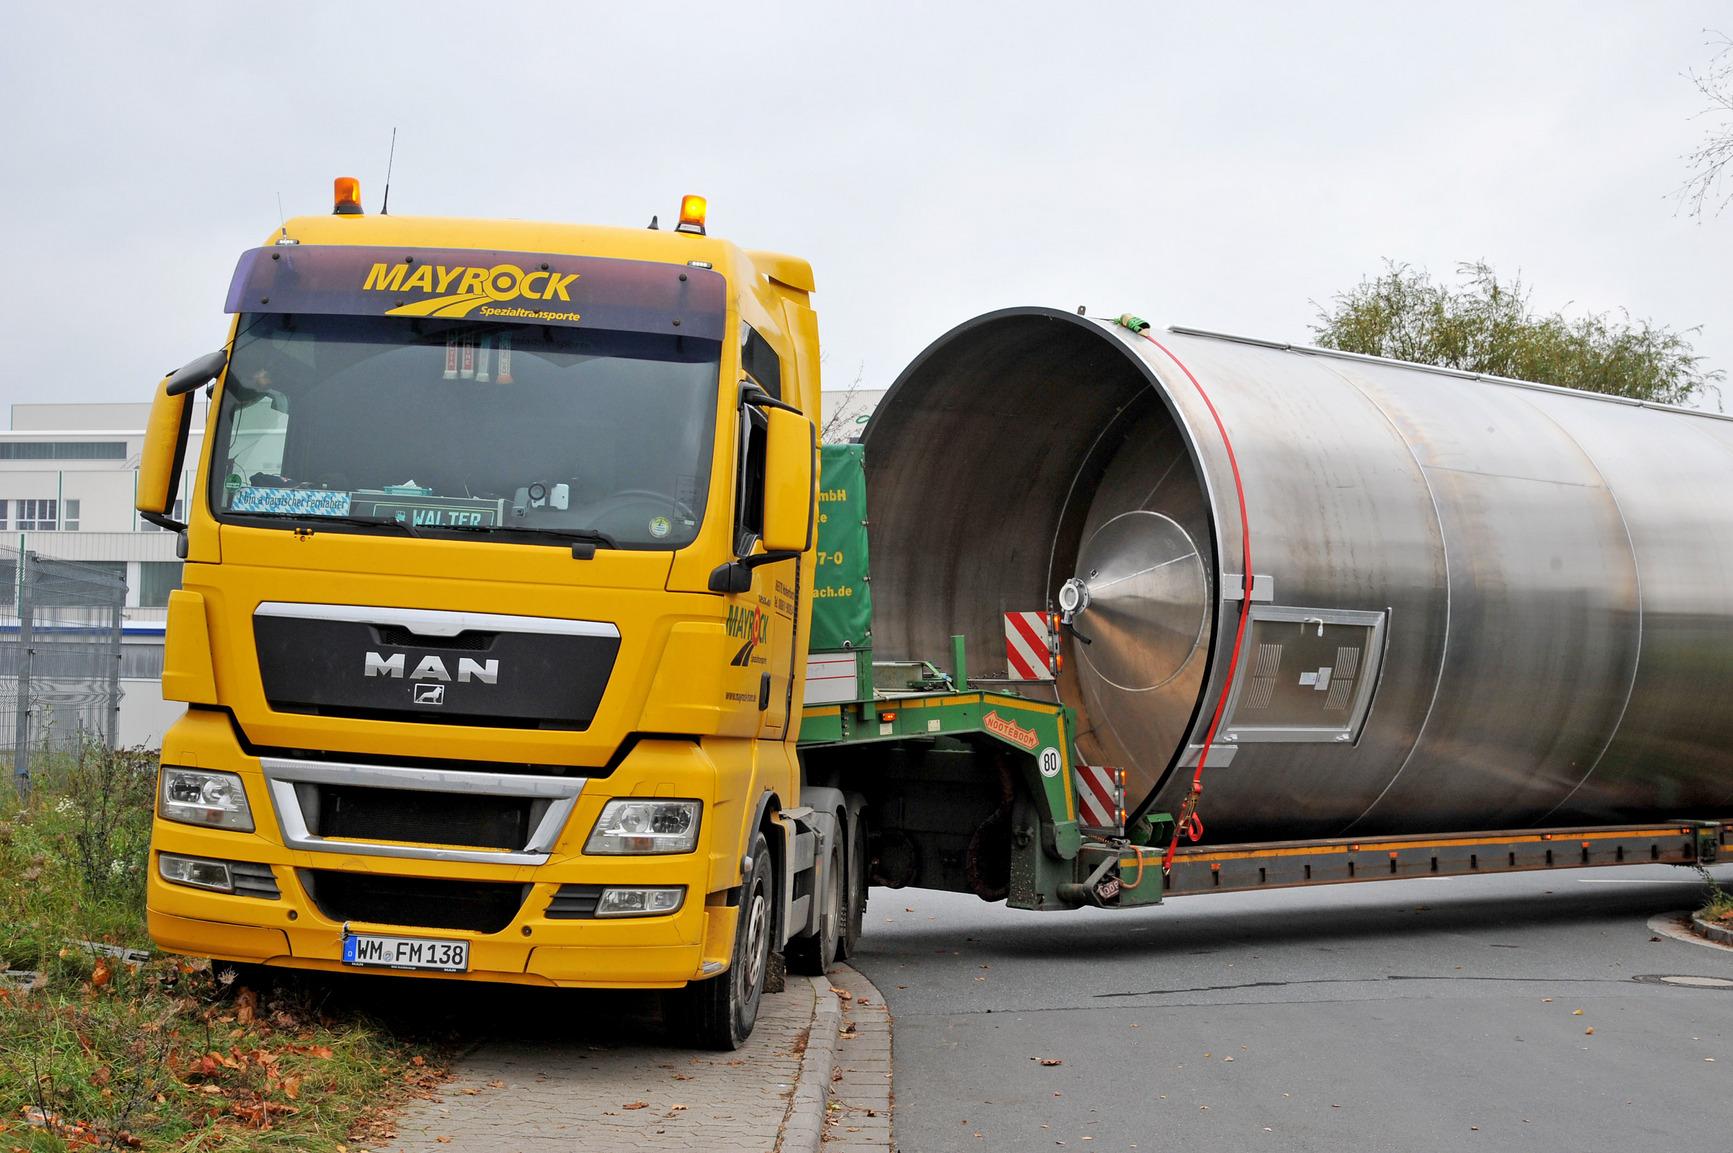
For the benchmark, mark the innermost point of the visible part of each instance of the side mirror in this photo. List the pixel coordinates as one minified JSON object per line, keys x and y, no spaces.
{"x":779,"y":450}
{"x":791,"y":446}
{"x":165,"y":438}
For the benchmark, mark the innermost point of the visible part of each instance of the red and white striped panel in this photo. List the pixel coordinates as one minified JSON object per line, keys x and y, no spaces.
{"x":1027,"y":646}
{"x":1100,"y":795}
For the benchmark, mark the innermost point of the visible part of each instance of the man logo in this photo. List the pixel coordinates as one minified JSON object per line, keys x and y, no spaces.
{"x":430,"y":694}
{"x":431,"y":668}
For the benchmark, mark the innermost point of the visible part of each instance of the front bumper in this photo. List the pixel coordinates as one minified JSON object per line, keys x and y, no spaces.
{"x":533,"y":948}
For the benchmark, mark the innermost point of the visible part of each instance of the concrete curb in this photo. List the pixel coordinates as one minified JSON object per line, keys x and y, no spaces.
{"x":803,"y":1127}
{"x":1678,"y":927}
{"x":1718,"y":933}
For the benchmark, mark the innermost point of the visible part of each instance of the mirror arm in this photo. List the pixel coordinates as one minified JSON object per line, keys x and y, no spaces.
{"x":197,"y":374}
{"x":163,"y":521}
{"x":751,"y":394}
{"x":735,"y":576}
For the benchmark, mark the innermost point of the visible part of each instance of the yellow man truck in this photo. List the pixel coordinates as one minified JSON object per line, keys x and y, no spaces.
{"x":526,"y":635}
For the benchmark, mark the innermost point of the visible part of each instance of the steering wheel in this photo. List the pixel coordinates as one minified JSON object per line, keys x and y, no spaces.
{"x":615,"y":502}
{"x":679,"y":506}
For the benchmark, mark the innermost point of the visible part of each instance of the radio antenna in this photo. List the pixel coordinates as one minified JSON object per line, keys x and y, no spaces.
{"x":281,"y":217}
{"x":385,"y":205}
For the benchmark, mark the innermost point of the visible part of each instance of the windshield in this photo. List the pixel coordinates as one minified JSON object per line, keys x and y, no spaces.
{"x":443,"y":427}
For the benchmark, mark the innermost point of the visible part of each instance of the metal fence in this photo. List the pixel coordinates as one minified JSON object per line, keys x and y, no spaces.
{"x":60,"y":630}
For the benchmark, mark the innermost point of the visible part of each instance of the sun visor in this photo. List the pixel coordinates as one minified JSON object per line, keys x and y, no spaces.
{"x":472,"y":284}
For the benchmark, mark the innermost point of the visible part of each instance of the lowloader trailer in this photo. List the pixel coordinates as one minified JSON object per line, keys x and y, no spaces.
{"x":527,"y":635}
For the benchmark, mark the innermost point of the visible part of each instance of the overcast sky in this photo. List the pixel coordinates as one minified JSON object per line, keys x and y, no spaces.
{"x":1223,"y":166}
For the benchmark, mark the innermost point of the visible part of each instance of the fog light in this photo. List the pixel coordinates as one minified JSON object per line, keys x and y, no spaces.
{"x":639,"y":902}
{"x":213,"y":875}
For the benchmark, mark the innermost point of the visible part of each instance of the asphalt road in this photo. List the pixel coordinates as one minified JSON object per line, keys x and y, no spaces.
{"x":1437,"y":1014}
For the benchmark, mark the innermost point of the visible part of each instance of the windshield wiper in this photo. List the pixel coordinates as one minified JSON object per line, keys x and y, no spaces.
{"x":311,"y":518}
{"x":586,"y":535}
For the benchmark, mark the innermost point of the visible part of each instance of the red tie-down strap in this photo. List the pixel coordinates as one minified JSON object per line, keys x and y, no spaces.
{"x":1188,"y":822}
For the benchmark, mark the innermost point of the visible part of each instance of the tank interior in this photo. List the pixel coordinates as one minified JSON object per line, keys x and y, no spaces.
{"x":1023,"y":449}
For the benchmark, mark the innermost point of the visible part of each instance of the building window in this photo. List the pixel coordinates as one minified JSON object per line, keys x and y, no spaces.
{"x":37,"y":515}
{"x":175,"y":513}
{"x":69,"y":523}
{"x":63,"y":450}
{"x":156,"y":579}
{"x":141,"y":662}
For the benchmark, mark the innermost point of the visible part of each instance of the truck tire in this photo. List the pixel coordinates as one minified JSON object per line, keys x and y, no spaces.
{"x":812,"y":955}
{"x":854,"y":891}
{"x":722,"y":1010}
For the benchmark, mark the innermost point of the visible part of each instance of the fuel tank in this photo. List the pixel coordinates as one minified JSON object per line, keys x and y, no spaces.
{"x":1474,"y":603}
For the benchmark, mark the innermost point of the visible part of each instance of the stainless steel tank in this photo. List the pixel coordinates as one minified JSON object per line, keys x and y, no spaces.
{"x":1475,"y":603}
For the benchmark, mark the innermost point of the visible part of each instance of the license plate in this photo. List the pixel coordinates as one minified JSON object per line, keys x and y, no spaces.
{"x":406,"y":953}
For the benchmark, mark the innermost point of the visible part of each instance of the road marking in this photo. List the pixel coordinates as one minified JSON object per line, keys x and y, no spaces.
{"x":1630,"y":881}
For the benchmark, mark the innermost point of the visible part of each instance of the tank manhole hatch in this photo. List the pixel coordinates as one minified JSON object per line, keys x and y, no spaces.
{"x":1685,"y":982}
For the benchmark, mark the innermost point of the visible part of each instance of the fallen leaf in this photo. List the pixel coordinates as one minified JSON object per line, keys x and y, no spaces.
{"x":1590,"y":1031}
{"x":292,"y":1087}
{"x":322,"y":1052}
{"x":418,"y":1060}
{"x":1576,"y":1012}
{"x":101,"y":975}
{"x":1048,"y":1061}
{"x":246,"y":1006}
{"x":843,"y":993}
{"x":636,"y":1105}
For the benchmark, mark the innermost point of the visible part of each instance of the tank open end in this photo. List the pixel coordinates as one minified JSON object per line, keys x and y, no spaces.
{"x":1023,"y":450}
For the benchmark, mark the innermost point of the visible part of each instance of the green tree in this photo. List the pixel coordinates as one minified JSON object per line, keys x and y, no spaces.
{"x":1486,"y":325}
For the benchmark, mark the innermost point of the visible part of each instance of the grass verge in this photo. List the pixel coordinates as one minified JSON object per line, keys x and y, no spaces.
{"x":1719,"y":908}
{"x":102,"y":1048}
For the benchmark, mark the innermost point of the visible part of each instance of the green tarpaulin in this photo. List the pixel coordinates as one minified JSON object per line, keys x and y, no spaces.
{"x":842,"y":606}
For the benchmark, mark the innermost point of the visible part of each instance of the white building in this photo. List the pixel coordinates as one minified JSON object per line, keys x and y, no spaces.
{"x":68,"y":477}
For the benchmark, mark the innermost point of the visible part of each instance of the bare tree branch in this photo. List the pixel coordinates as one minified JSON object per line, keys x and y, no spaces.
{"x":1709,"y":162}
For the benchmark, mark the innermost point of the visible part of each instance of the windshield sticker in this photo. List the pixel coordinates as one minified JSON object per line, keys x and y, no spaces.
{"x":289,"y":501}
{"x":451,"y":352}
{"x":504,"y":376}
{"x":427,"y":510}
{"x":484,"y":361}
{"x":660,"y":526}
{"x":598,"y":292}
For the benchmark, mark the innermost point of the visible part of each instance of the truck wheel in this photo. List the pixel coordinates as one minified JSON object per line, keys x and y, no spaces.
{"x":723,"y":1009}
{"x":854,"y":892}
{"x":813,"y":955}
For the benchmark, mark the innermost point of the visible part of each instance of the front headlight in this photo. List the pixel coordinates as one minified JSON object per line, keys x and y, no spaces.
{"x":202,"y":797}
{"x":641,"y":825}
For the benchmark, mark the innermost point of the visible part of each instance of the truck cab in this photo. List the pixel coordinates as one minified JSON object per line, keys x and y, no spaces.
{"x":493,"y":626}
